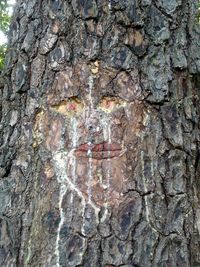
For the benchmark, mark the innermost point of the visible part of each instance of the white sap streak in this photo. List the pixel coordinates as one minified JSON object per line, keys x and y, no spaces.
{"x":105,"y":123}
{"x":89,"y":192}
{"x":109,"y":4}
{"x":107,"y":137}
{"x":96,"y":211}
{"x":89,"y":188}
{"x":73,"y":160}
{"x":146,"y":197}
{"x":63,"y":190}
{"x":109,"y":165}
{"x":91,"y":84}
{"x":90,"y":178}
{"x":89,"y":152}
{"x":90,"y":113}
{"x":145,"y":187}
{"x":90,"y":108}
{"x":60,"y":160}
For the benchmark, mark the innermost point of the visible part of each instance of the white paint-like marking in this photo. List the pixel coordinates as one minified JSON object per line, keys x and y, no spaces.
{"x":89,"y":153}
{"x":107,"y":136}
{"x":73,"y":161}
{"x":63,"y":190}
{"x":91,"y":84}
{"x":145,"y":187}
{"x":109,"y":4}
{"x":89,"y":190}
{"x":89,"y":176}
{"x":105,"y":122}
{"x":146,"y":197}
{"x":109,"y":164}
{"x":90,"y":112}
{"x":60,"y":159}
{"x":24,"y":67}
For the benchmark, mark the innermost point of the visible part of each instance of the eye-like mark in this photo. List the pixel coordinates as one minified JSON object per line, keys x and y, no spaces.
{"x":109,"y":104}
{"x":70,"y":107}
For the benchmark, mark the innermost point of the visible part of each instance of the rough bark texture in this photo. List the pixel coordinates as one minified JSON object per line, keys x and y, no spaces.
{"x":99,"y":139}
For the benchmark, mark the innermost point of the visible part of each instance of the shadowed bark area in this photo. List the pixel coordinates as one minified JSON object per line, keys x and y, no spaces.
{"x":99,"y":159}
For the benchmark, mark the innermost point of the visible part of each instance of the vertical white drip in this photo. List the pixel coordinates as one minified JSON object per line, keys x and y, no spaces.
{"x":107,"y":136}
{"x":90,"y":109}
{"x":89,"y":152}
{"x":63,"y":190}
{"x":90,"y":113}
{"x":89,"y":192}
{"x":145,"y":191}
{"x":61,"y":159}
{"x":145,"y":187}
{"x":109,"y":4}
{"x":108,"y":160}
{"x":91,"y":84}
{"x":105,"y":123}
{"x":73,"y":160}
{"x":89,"y":186}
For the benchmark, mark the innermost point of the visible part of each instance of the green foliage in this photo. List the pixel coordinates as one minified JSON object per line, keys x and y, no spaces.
{"x":4,"y":25}
{"x":198,"y":13}
{"x":4,"y":16}
{"x":2,"y":55}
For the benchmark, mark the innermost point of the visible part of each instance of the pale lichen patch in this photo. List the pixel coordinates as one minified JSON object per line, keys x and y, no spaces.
{"x":38,"y":129}
{"x":95,"y":67}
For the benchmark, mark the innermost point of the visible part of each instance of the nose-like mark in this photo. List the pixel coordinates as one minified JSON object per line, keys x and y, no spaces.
{"x":91,"y":139}
{"x":94,"y":127}
{"x":92,"y":123}
{"x":90,"y":127}
{"x":94,"y":131}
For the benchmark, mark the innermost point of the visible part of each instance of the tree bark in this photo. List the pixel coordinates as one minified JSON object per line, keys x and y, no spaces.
{"x":99,"y":162}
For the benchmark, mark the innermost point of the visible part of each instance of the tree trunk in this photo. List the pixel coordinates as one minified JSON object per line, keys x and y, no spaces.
{"x":99,"y":162}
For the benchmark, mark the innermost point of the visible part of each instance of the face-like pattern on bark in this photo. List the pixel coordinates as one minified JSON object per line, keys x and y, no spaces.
{"x":111,"y":178}
{"x":90,"y":131}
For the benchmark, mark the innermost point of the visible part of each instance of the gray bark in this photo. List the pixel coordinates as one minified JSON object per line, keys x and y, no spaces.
{"x":99,"y":159}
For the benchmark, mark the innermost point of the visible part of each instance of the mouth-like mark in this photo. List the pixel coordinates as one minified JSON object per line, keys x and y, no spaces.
{"x":103,"y":150}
